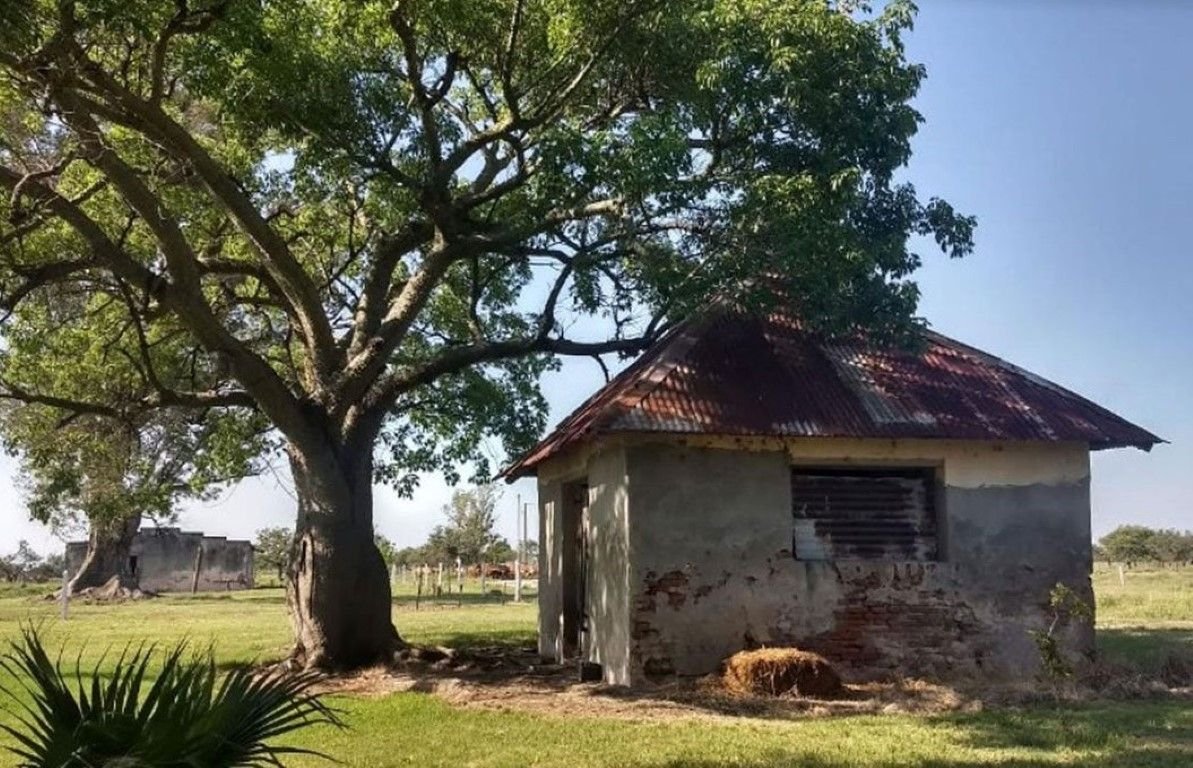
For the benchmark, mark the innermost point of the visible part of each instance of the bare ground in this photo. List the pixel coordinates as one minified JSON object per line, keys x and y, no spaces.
{"x":505,"y":679}
{"x":501,"y":679}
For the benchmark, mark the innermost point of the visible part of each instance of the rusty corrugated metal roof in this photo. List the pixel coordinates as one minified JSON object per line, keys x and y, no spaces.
{"x":740,"y":375}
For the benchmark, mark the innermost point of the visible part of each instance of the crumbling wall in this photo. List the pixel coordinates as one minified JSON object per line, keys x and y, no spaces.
{"x":712,"y":569}
{"x":165,"y":560}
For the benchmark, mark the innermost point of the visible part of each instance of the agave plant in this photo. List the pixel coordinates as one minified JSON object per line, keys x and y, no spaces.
{"x":126,"y":718}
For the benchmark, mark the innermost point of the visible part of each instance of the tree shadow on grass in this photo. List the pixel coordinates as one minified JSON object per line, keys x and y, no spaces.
{"x":1104,"y":735}
{"x":1143,"y":647}
{"x":455,"y":600}
{"x":510,"y":641}
{"x":1119,"y":733}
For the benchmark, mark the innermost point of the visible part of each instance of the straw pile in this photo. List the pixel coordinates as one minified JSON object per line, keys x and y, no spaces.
{"x":781,"y":672}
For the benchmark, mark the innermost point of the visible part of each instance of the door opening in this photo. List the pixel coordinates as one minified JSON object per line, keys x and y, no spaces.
{"x":575,"y":566}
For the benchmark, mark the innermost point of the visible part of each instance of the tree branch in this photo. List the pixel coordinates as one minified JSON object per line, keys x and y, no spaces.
{"x":389,"y":389}
{"x":268,"y":390}
{"x":292,"y":279}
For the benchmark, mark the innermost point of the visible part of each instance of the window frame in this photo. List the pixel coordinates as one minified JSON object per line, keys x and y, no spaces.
{"x":931,"y":475}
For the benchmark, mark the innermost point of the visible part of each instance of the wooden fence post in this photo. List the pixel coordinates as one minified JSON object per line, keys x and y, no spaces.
{"x":198,"y":568}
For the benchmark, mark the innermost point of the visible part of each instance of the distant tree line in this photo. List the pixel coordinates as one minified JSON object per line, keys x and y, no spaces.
{"x":1139,"y":544}
{"x":27,"y":565}
{"x":468,"y":534}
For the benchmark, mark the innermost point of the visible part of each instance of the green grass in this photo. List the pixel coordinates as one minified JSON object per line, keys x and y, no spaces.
{"x":1142,"y":622}
{"x":1145,"y":617}
{"x":1154,"y":596}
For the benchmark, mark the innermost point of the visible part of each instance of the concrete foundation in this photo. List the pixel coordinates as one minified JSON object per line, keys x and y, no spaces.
{"x":686,"y":557}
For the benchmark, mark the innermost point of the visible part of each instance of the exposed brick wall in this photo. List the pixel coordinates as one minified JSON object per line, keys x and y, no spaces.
{"x":887,"y":617}
{"x":900,"y":618}
{"x":872,"y":619}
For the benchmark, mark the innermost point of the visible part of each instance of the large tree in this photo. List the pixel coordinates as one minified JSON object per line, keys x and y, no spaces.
{"x":376,"y":223}
{"x":108,"y":473}
{"x":471,"y":519}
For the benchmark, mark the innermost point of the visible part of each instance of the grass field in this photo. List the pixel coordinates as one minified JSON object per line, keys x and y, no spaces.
{"x":1147,"y":616}
{"x":1139,"y":622}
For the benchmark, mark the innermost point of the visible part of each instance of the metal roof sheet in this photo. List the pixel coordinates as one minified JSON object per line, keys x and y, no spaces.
{"x":742,"y":375}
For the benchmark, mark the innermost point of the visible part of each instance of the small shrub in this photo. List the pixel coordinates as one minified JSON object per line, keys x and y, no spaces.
{"x":1066,"y":606}
{"x":781,"y":671}
{"x":124,"y":717}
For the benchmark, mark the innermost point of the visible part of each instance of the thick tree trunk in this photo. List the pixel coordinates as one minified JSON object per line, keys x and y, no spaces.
{"x":337,"y":585}
{"x":107,"y":555}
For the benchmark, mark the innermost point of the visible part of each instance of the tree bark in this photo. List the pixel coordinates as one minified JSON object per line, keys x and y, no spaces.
{"x":107,"y":555}
{"x":337,"y":585}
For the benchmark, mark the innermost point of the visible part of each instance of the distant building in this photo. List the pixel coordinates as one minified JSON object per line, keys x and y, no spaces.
{"x":745,"y":483}
{"x":165,"y":560}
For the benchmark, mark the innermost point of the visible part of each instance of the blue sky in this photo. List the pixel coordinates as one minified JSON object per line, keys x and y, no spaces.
{"x":1066,"y":128}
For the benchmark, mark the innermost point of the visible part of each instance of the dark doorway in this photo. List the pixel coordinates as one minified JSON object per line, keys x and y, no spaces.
{"x":575,"y":565}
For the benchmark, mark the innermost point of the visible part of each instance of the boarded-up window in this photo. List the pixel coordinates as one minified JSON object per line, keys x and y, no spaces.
{"x":868,"y":514}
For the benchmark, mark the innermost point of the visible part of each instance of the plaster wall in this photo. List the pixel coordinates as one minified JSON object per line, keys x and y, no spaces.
{"x":691,"y":561}
{"x":550,"y":585}
{"x":713,"y":570}
{"x":605,"y":631}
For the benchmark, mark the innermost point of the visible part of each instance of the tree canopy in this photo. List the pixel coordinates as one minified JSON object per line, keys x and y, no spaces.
{"x":374,"y":225}
{"x":1139,"y":543}
{"x":469,"y":532}
{"x":271,"y":549}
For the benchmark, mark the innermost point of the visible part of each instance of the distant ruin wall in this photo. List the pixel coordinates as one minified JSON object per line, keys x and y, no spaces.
{"x":165,"y":559}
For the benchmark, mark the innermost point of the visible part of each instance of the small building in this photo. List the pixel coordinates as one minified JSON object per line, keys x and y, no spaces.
{"x":744,"y":484}
{"x":165,"y":559}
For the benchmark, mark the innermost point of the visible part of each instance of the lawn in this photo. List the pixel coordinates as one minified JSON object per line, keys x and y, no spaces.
{"x":1138,"y":621}
{"x":1146,"y":616}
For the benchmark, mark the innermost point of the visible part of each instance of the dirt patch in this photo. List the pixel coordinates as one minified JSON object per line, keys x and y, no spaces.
{"x":501,"y":680}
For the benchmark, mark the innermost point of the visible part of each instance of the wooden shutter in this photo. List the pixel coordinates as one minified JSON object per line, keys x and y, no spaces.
{"x":868,"y":514}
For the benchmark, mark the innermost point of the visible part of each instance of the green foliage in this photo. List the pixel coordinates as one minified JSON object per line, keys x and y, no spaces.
{"x":24,"y":564}
{"x":21,"y":564}
{"x":180,"y":713}
{"x":372,"y":226}
{"x":389,"y":553}
{"x":469,"y":535}
{"x":287,"y":207}
{"x":271,"y":548}
{"x":1066,"y":606}
{"x":1138,"y":543}
{"x":101,"y":471}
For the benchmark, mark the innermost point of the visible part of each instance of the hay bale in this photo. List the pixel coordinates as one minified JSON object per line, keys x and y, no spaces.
{"x":781,"y":671}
